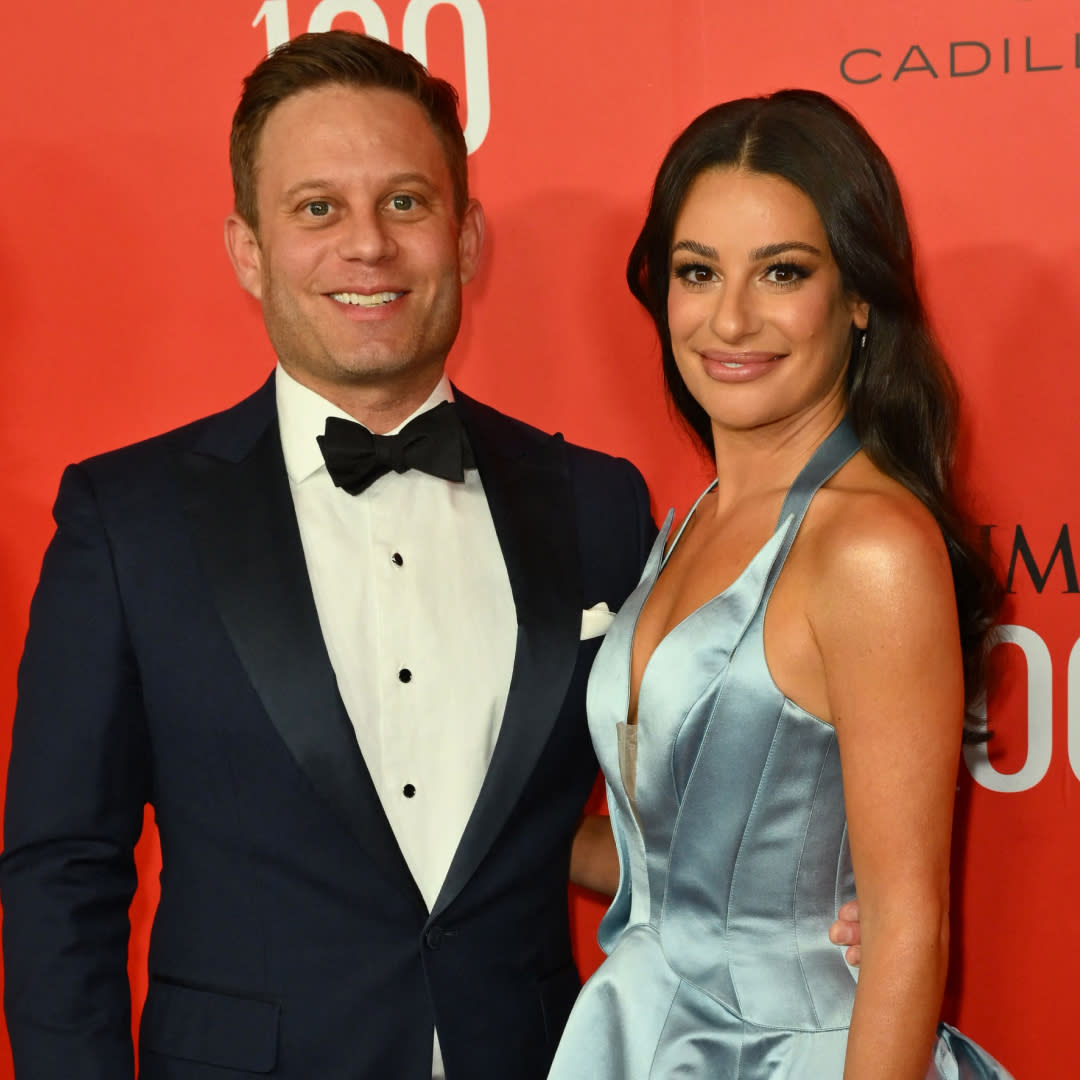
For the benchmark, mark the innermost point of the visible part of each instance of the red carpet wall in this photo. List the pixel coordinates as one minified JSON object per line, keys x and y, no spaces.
{"x":119,"y":315}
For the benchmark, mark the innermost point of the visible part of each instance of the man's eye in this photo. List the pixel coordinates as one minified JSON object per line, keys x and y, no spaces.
{"x":403,"y":202}
{"x":318,"y":208}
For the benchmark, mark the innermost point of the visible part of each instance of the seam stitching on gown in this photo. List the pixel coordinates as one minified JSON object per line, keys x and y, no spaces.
{"x":795,"y":891}
{"x":739,"y":853}
{"x":755,"y":612}
{"x":839,"y":866}
{"x":625,"y":875}
{"x":660,"y":1034}
{"x":720,"y":690}
{"x":720,"y":678}
{"x":757,"y":615}
{"x":649,"y":574}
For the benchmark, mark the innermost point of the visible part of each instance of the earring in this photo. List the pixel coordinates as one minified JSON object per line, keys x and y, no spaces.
{"x":862,"y":340}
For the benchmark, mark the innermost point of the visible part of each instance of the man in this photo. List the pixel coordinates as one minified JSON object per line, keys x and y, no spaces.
{"x":359,"y":718}
{"x":351,"y":690}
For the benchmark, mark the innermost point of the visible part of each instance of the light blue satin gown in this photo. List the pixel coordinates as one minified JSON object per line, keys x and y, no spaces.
{"x":733,"y":851}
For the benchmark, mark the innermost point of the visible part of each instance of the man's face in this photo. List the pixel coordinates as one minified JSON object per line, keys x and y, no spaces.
{"x":359,"y":256}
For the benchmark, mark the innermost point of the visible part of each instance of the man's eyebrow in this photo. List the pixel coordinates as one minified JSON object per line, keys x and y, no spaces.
{"x":410,"y":178}
{"x":314,"y":184}
{"x":317,"y":183}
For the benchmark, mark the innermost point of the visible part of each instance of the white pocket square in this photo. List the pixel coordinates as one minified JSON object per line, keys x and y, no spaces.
{"x":595,"y":621}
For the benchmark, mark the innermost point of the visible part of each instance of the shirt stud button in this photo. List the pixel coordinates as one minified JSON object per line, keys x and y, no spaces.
{"x":396,"y":559}
{"x":408,"y":791}
{"x":405,"y":675}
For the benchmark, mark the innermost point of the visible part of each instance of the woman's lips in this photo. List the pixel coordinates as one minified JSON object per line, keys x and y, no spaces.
{"x":737,"y":367}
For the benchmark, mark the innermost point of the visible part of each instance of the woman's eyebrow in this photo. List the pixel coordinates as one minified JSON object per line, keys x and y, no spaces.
{"x":768,"y":251}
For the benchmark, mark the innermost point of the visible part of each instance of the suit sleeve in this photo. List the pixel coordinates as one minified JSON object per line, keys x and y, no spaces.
{"x":646,"y":525}
{"x":78,"y":781}
{"x":643,"y":530}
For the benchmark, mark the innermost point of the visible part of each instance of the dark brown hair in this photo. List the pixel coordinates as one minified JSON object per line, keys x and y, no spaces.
{"x":901,"y":396}
{"x":338,"y":57}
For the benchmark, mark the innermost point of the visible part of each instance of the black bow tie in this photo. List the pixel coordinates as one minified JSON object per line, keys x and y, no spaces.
{"x":434,"y":443}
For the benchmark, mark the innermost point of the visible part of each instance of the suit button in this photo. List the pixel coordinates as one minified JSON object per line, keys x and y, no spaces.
{"x":434,"y":937}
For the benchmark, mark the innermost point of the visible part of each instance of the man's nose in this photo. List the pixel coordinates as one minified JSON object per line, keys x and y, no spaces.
{"x":365,"y":236}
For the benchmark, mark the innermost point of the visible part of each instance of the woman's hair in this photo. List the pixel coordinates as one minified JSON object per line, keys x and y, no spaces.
{"x":901,"y":396}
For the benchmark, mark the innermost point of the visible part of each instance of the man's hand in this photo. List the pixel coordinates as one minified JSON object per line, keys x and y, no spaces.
{"x":846,"y":931}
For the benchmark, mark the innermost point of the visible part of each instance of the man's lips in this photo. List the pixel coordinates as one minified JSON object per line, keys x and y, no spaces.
{"x":366,"y":299}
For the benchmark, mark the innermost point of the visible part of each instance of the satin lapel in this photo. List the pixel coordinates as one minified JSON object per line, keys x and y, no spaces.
{"x":528,"y":492}
{"x":245,"y":529}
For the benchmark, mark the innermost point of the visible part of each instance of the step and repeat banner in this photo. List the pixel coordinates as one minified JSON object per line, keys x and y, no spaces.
{"x":121,"y":317}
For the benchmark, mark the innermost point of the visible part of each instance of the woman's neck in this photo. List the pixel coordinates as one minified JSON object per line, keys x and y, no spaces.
{"x":756,"y":460}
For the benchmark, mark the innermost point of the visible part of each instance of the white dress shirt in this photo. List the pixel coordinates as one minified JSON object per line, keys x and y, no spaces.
{"x":419,"y":622}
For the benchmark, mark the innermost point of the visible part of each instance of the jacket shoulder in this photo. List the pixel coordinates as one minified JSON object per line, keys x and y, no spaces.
{"x":512,"y":433}
{"x":609,"y":497}
{"x":228,"y":433}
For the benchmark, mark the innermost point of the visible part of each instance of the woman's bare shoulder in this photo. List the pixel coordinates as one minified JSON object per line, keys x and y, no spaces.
{"x":867,"y":531}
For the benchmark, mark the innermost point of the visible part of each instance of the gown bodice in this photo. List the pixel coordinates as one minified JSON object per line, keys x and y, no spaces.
{"x":739,"y":799}
{"x":733,"y":850}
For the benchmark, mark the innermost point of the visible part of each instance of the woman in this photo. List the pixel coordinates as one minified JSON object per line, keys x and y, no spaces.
{"x":779,"y":706}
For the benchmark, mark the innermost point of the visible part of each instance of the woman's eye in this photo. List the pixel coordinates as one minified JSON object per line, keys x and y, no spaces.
{"x":318,"y":208}
{"x":694,"y":274}
{"x":785,"y":273}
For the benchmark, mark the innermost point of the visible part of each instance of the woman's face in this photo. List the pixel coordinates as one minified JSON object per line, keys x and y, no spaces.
{"x":760,"y":322}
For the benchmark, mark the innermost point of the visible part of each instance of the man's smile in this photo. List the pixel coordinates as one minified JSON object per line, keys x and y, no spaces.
{"x":365,"y":299}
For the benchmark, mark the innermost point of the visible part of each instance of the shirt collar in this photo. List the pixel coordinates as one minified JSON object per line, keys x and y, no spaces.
{"x":302,"y":416}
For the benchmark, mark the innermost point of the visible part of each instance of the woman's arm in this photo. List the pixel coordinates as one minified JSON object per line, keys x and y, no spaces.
{"x":884,"y":618}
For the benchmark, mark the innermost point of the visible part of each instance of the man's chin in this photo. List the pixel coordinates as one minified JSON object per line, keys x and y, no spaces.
{"x":374,"y":369}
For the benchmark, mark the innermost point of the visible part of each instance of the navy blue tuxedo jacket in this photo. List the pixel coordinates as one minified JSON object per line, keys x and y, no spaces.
{"x":175,"y":658}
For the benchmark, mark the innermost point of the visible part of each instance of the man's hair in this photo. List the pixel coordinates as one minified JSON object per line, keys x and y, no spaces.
{"x":338,"y":58}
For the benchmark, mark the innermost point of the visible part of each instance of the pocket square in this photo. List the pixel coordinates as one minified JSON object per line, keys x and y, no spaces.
{"x":595,"y":621}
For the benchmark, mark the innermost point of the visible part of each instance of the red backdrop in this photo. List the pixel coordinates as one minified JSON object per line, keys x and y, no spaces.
{"x":121,"y":317}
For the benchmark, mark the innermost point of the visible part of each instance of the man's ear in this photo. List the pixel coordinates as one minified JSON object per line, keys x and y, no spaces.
{"x":470,"y":240}
{"x":244,"y":253}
